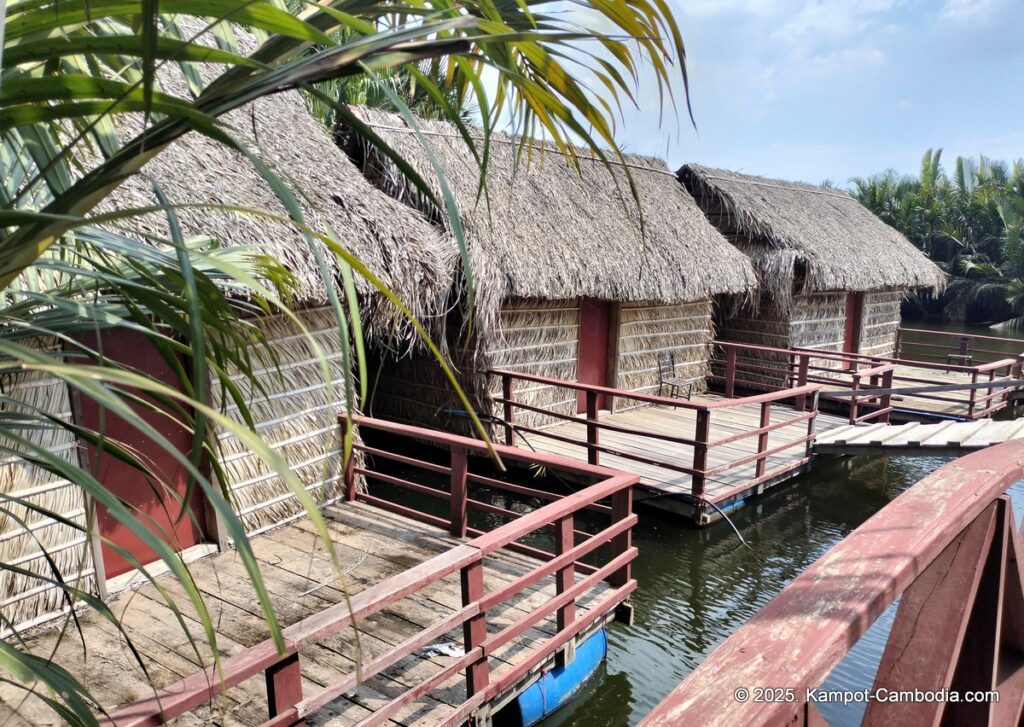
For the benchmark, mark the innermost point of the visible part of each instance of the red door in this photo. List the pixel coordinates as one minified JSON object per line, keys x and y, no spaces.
{"x":592,"y":364}
{"x":148,"y":498}
{"x":854,"y":314}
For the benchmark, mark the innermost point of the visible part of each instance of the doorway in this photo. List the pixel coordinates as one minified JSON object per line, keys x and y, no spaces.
{"x":157,"y":502}
{"x":854,"y":316}
{"x":594,"y":335}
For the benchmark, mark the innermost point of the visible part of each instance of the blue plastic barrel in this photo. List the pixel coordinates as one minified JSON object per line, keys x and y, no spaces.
{"x":561,"y":684}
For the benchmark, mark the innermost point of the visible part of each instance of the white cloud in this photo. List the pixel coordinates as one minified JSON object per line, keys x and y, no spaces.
{"x":850,"y":59}
{"x":959,"y":11}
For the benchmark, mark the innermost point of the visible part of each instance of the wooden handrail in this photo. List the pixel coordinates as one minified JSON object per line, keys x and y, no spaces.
{"x":965,"y":335}
{"x":285,"y":700}
{"x":926,"y":545}
{"x":701,"y":443}
{"x":694,"y":404}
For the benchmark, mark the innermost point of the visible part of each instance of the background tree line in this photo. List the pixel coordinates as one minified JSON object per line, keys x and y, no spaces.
{"x":969,"y":221}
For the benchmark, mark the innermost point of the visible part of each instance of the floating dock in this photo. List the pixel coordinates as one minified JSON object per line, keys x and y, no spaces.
{"x":445,"y":628}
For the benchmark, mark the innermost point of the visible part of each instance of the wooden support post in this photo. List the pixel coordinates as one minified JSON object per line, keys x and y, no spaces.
{"x":887,"y":398}
{"x":284,"y":686}
{"x":762,"y":438}
{"x":853,"y":399}
{"x":809,"y":450}
{"x":897,"y":343}
{"x":565,"y":578}
{"x":349,"y":463}
{"x":622,"y":508}
{"x":702,"y":435}
{"x":593,"y":433}
{"x":988,"y":392}
{"x":509,"y":410}
{"x":972,"y":396}
{"x":459,"y":506}
{"x":474,"y":630}
{"x":801,"y":380}
{"x":730,"y":372}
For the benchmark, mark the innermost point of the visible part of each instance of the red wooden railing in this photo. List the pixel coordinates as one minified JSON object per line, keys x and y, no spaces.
{"x":985,"y":349}
{"x":696,"y":449}
{"x":287,"y":705}
{"x":747,"y":366}
{"x":950,"y":550}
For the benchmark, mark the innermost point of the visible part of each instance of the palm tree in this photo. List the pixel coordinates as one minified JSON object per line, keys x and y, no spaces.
{"x":77,"y":74}
{"x":965,"y":222}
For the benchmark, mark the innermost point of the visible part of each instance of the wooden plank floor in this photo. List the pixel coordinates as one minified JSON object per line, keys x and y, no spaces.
{"x":372,"y":545}
{"x":924,"y":406}
{"x":681,"y":423}
{"x":945,"y":438}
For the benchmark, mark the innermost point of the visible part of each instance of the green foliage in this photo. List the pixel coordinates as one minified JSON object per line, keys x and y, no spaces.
{"x":84,"y":104}
{"x":969,"y":222}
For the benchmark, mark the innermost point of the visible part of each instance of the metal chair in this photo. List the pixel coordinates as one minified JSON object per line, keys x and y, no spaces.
{"x":961,"y":351}
{"x":667,"y":377}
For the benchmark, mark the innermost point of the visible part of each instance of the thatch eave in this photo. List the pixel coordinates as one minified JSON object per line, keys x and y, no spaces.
{"x":547,"y":229}
{"x":822,"y":239}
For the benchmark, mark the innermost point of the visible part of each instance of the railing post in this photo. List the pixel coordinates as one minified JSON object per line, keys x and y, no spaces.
{"x":702,"y":435}
{"x":762,"y":438}
{"x":565,"y":578}
{"x":801,"y":380}
{"x":622,"y":508}
{"x":349,"y":463}
{"x":809,"y":449}
{"x":284,"y":686}
{"x":459,"y":496}
{"x":474,"y":630}
{"x":730,"y":372}
{"x":972,"y":396}
{"x":898,"y":342}
{"x":509,"y":410}
{"x":593,"y":433}
{"x":853,"y":399}
{"x":886,"y":401}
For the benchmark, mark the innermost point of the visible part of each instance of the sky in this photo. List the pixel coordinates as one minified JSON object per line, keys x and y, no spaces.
{"x":816,"y":90}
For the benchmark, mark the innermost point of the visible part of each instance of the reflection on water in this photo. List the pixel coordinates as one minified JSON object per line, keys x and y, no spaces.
{"x":697,"y":586}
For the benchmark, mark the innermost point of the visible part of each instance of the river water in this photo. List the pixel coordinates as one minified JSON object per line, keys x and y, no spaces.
{"x":698,"y":586}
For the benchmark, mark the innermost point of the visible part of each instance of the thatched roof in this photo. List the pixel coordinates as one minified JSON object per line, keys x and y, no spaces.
{"x":548,"y":231}
{"x":395,"y":242}
{"x":822,"y":238}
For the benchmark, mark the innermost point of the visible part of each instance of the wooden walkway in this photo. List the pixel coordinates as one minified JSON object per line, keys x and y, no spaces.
{"x":682,"y":422}
{"x":946,"y":438}
{"x":373,"y":546}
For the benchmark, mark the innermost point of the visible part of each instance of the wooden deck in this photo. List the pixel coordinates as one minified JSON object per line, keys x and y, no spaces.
{"x":682,"y":422}
{"x":945,"y":439}
{"x":373,"y":546}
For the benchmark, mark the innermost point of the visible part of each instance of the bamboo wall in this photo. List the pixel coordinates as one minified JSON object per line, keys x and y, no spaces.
{"x":542,"y":338}
{"x":879,"y":323}
{"x":767,"y":325}
{"x":818,"y":321}
{"x":297,"y":417}
{"x":24,"y":599}
{"x":648,"y":330}
{"x":536,"y":337}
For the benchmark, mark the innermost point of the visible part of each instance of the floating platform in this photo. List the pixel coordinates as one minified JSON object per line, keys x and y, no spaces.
{"x":673,"y":487}
{"x":381,"y":553}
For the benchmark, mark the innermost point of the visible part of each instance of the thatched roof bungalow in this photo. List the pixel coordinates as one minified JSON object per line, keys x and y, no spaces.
{"x":296,"y":414}
{"x":569,"y":284}
{"x":831,"y":273}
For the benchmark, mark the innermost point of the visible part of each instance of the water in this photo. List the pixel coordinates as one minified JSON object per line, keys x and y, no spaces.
{"x":985,"y":350}
{"x":698,"y":586}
